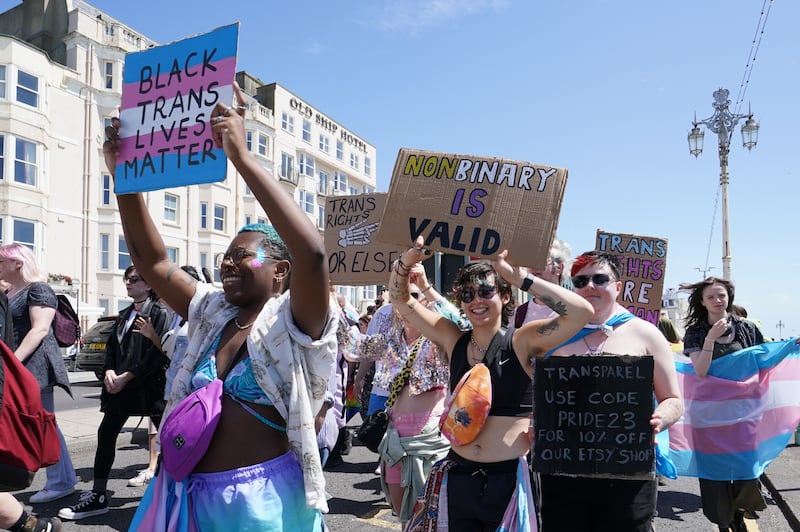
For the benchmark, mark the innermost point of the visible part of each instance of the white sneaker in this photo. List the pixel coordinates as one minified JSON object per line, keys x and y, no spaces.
{"x":142,"y":479}
{"x":46,"y":495}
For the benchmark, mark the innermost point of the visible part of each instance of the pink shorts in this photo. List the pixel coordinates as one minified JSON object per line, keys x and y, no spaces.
{"x":406,"y":425}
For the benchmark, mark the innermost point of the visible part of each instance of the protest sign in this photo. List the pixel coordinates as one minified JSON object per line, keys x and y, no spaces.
{"x":354,"y":256}
{"x":167,"y":97}
{"x":643,"y":262}
{"x":474,"y":206}
{"x":592,"y":416}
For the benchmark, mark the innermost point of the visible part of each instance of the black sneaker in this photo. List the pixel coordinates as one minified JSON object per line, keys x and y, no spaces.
{"x":91,"y":503}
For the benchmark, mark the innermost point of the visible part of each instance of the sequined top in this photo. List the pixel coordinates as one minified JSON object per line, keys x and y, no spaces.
{"x":429,"y":371}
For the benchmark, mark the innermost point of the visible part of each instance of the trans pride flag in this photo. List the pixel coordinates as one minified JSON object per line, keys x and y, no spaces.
{"x":740,"y":416}
{"x":168,"y":94}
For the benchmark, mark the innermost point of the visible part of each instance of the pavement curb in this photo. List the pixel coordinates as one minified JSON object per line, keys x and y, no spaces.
{"x":791,"y":518}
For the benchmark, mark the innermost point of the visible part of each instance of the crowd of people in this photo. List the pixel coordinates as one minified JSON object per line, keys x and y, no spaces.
{"x":293,"y":360}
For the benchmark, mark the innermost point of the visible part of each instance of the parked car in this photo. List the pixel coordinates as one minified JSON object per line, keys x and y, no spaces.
{"x":92,"y":355}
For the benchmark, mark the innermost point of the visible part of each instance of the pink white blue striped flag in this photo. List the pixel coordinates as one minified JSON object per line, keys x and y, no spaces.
{"x":168,"y":94}
{"x":741,"y":416}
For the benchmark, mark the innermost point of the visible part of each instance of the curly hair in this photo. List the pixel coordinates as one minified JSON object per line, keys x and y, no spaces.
{"x":697,"y":313}
{"x":482,"y":271}
{"x":273,"y":244}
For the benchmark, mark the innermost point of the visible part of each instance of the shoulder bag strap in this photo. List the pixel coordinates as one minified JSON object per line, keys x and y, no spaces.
{"x":401,"y":379}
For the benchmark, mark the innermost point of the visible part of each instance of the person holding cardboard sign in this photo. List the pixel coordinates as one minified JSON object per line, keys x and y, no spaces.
{"x":620,"y":504}
{"x":483,"y":474}
{"x":272,"y":326}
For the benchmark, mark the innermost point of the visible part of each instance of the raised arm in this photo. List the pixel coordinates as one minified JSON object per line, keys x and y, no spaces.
{"x":309,"y":277}
{"x":433,"y":325}
{"x":537,"y":337}
{"x":147,"y":249}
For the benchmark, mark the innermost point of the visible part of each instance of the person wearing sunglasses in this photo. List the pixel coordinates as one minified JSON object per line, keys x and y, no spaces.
{"x":620,"y":504}
{"x":272,"y":324}
{"x":481,"y":476}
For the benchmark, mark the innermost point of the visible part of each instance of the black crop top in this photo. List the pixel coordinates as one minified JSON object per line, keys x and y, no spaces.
{"x":512,"y":388}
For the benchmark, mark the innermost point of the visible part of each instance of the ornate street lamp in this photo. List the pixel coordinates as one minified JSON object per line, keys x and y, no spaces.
{"x":722,"y":122}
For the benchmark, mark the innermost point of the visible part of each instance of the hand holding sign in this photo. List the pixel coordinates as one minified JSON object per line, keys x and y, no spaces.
{"x":227,"y":125}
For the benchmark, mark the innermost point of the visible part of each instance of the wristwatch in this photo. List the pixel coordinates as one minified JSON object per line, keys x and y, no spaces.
{"x":527,"y":283}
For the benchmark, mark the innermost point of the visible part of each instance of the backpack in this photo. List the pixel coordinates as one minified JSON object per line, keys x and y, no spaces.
{"x":66,"y":326}
{"x":30,"y":438}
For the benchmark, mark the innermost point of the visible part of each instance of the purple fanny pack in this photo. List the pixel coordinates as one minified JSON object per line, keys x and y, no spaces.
{"x":187,"y":431}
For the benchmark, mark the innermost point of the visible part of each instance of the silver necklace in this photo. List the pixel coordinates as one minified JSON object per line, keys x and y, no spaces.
{"x":599,"y":347}
{"x":476,"y":346}
{"x":240,"y":326}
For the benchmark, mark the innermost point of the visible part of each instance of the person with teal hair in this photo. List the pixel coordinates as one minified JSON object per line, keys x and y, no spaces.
{"x":273,"y":311}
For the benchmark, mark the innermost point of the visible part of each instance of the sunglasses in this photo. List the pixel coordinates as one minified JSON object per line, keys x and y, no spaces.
{"x":133,"y":279}
{"x":466,"y":295}
{"x":598,"y":279}
{"x":415,"y":295}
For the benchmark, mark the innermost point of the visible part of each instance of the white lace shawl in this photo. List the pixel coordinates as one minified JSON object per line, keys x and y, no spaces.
{"x":290,"y":367}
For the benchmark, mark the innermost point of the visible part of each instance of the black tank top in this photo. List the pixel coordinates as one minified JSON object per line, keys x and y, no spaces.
{"x":512,"y":388}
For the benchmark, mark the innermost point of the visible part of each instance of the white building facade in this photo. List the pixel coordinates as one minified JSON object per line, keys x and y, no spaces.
{"x":60,"y":79}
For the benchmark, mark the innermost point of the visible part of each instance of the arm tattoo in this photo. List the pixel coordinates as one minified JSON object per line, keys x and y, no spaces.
{"x":558,"y":306}
{"x":171,"y":272}
{"x":548,"y":327}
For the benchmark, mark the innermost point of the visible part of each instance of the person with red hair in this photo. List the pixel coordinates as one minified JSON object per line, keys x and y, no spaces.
{"x":628,"y":505}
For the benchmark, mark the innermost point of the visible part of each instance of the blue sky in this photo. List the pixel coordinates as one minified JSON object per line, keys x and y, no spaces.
{"x":607,"y":89}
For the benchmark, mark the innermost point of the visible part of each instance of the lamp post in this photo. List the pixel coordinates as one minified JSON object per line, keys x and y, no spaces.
{"x":722,"y":122}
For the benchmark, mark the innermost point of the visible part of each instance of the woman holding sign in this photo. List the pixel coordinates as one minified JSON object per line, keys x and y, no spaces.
{"x":483,"y":470}
{"x":713,"y":332}
{"x":272,"y":327}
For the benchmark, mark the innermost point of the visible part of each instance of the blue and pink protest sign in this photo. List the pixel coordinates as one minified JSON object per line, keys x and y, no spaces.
{"x":167,"y":98}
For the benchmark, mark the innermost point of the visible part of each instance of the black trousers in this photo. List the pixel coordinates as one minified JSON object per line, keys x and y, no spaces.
{"x":721,"y":499}
{"x":478,"y":493}
{"x":585,"y":504}
{"x":107,"y":433}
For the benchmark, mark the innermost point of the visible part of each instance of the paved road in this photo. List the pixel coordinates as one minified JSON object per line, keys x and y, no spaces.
{"x":356,"y":504}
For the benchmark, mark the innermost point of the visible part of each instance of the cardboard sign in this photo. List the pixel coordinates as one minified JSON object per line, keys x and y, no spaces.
{"x":167,"y":98}
{"x":643,"y":261}
{"x":592,"y":416}
{"x":354,"y":257}
{"x":474,"y":206}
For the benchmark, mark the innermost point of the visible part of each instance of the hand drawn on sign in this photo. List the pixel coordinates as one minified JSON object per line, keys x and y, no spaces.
{"x":356,"y":235}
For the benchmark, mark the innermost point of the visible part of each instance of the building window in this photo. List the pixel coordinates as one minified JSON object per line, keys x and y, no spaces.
{"x":105,"y":304}
{"x":324,"y":144}
{"x":307,"y":201}
{"x":25,"y":162}
{"x":307,"y":131}
{"x":287,"y":166}
{"x":173,"y":255}
{"x":339,"y":182}
{"x":249,"y":137}
{"x":25,"y":233}
{"x":307,"y":164}
{"x":203,"y":260}
{"x":105,"y":189}
{"x":367,"y":166}
{"x":109,"y":66}
{"x":353,"y":191}
{"x":248,"y":219}
{"x":247,"y":191}
{"x":322,"y":186}
{"x":321,"y":217}
{"x":27,"y":89}
{"x":105,"y":251}
{"x":2,"y":82}
{"x":219,"y":217}
{"x":262,"y":220}
{"x":263,"y":147}
{"x":354,"y":161}
{"x":340,"y":150}
{"x":287,"y":123}
{"x":171,"y":208}
{"x":123,"y":257}
{"x":367,"y":190}
{"x":2,"y":157}
{"x":203,"y":215}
